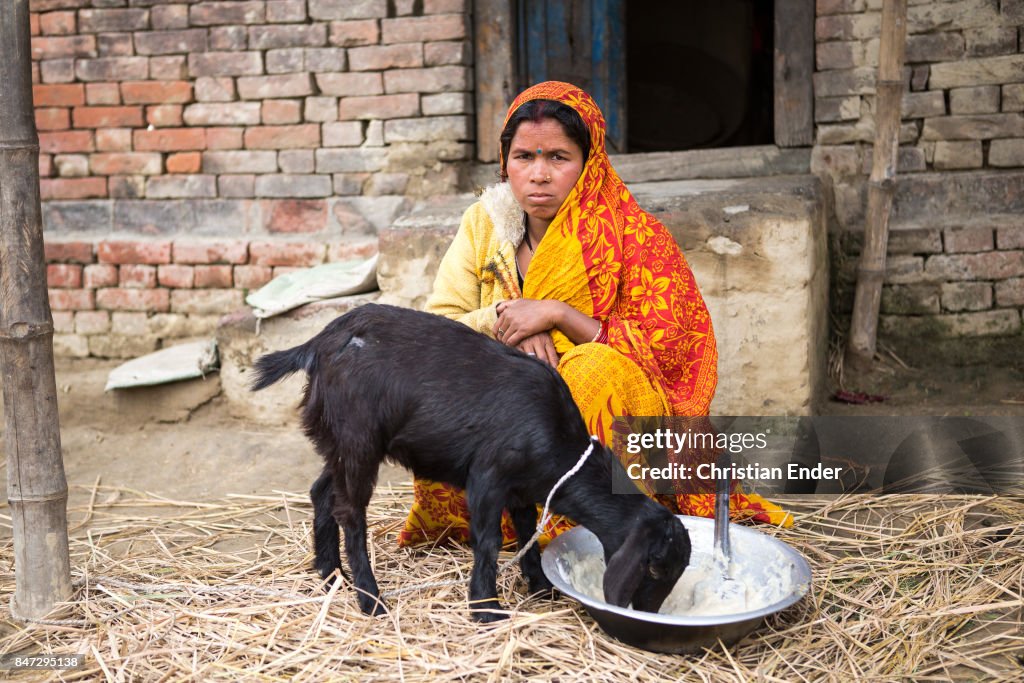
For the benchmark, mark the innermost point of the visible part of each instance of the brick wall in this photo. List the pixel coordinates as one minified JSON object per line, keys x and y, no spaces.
{"x":124,"y":298}
{"x":286,"y":131}
{"x":956,"y":256}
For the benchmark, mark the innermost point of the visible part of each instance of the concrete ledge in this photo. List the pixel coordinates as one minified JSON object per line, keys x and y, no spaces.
{"x":241,"y":339}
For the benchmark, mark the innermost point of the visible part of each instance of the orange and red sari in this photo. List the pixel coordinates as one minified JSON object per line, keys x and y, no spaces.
{"x":613,"y":261}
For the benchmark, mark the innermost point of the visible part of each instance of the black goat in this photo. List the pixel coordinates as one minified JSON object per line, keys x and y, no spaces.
{"x":454,"y":406}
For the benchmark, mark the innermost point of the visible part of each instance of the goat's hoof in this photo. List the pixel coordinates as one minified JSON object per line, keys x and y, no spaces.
{"x":487,"y":617}
{"x":372,"y":607}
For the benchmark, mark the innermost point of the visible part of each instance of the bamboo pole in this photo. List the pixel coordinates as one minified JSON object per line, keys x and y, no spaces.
{"x":881,"y":185}
{"x":36,"y":488}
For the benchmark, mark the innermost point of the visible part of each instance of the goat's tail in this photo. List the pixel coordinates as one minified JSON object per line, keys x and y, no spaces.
{"x":273,"y":367}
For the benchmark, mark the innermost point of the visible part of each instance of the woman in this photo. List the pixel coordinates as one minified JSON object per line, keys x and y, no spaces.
{"x":559,"y":261}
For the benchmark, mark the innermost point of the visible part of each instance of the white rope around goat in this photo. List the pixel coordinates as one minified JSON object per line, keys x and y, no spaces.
{"x":545,"y":517}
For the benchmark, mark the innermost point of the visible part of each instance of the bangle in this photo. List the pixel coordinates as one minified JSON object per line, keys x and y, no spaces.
{"x":600,"y":332}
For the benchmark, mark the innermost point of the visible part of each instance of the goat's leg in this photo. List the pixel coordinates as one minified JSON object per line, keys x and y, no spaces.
{"x":525,"y":520}
{"x":350,"y":500}
{"x":327,"y":554}
{"x":485,"y":505}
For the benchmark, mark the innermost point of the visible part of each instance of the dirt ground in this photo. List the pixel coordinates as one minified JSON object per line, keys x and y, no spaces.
{"x":119,"y":438}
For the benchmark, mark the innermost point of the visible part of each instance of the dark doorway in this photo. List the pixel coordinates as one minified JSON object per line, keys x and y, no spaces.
{"x":698,"y":74}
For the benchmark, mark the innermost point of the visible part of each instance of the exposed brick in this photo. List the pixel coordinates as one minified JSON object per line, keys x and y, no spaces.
{"x":229,"y":38}
{"x":1010,"y":237}
{"x":991,"y":41}
{"x":97,"y":20}
{"x":71,"y":165}
{"x":916,"y":105}
{"x":295,"y":160}
{"x":134,"y":275}
{"x":156,"y":92}
{"x":184,"y":162}
{"x":225,"y":64}
{"x":33,"y":23}
{"x":1010,"y":292}
{"x":325,"y":59}
{"x":451,"y":7}
{"x":208,"y":277}
{"x":72,"y":299}
{"x":982,"y":71}
{"x":910,"y":299}
{"x":107,"y":117}
{"x":433,"y":79}
{"x":68,"y":252}
{"x":295,"y":216}
{"x":126,"y":163}
{"x":961,"y":240}
{"x":123,"y":299}
{"x":286,"y":60}
{"x":164,"y":116}
{"x":92,"y":322}
{"x":350,"y":184}
{"x":214,"y":13}
{"x":170,"y":139}
{"x":97,"y":275}
{"x":427,"y":129}
{"x":169,"y":16}
{"x":209,"y":89}
{"x":126,"y":186}
{"x":57,"y":23}
{"x":171,"y":68}
{"x":347,"y":9}
{"x":206,"y":252}
{"x":284,"y":270}
{"x":1013,"y":97}
{"x":63,"y":47}
{"x":115,"y":45}
{"x":263,"y":87}
{"x":240,"y":162}
{"x":112,"y":69}
{"x":134,"y":252}
{"x":63,"y":322}
{"x":344,"y":251}
{"x":52,"y":119}
{"x":181,"y":186}
{"x":224,"y":138}
{"x":240,"y":186}
{"x":289,"y":185}
{"x":350,"y":84}
{"x":102,"y":93}
{"x":283,"y":11}
{"x":206,"y":301}
{"x":70,"y":346}
{"x":53,"y":71}
{"x":381,"y":57}
{"x":354,"y":33}
{"x":966,"y":296}
{"x":974,"y":127}
{"x":951,"y":155}
{"x":349,"y":160}
{"x":420,"y":29}
{"x":283,"y":137}
{"x":64,"y":275}
{"x":170,"y":42}
{"x":935,"y":47}
{"x":321,"y":109}
{"x":441,"y":53}
{"x":176,"y":276}
{"x":462,"y":103}
{"x":983,"y":99}
{"x":222,"y":114}
{"x":272,"y":37}
{"x":990,"y":265}
{"x":291,"y":254}
{"x":114,"y":139}
{"x":72,"y":188}
{"x":252,"y":277}
{"x":45,"y":165}
{"x":379,"y":107}
{"x":66,"y":141}
{"x":1006,"y":153}
{"x":403,"y":8}
{"x":276,"y":112}
{"x":68,"y":95}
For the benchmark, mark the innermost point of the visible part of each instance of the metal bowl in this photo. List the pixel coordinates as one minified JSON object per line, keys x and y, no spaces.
{"x":675,"y":633}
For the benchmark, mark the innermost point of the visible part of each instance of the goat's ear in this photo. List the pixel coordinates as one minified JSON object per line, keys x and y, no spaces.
{"x":626,"y":568}
{"x":667,"y":552}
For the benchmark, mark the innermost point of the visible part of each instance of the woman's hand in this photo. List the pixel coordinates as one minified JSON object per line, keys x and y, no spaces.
{"x":522,"y":318}
{"x":540,"y":346}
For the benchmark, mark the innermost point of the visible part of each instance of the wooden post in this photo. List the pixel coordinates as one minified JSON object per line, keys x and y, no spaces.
{"x":36,"y":488}
{"x":860,"y":351}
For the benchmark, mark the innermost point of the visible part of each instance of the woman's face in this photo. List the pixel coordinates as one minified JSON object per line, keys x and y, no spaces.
{"x":543,"y":166}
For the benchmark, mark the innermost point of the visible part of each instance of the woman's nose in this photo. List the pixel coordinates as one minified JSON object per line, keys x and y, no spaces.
{"x":539,"y":171}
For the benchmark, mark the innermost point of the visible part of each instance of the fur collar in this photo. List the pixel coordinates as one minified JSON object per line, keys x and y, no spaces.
{"x":504,"y":211}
